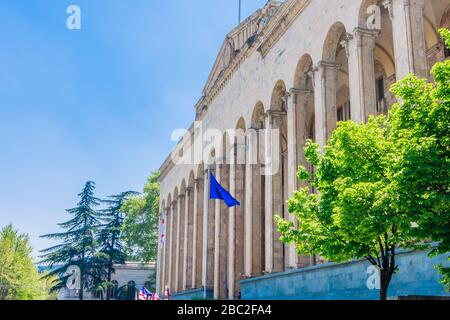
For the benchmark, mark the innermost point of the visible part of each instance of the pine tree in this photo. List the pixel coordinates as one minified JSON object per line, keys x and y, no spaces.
{"x":111,"y":246}
{"x":78,"y":242}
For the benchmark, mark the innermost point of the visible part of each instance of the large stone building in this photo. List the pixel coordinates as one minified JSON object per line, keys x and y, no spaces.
{"x":295,"y":68}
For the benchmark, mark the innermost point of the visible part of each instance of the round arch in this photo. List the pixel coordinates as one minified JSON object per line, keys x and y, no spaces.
{"x":302,"y":77}
{"x":257,"y":121}
{"x":332,"y":42}
{"x":277,"y":99}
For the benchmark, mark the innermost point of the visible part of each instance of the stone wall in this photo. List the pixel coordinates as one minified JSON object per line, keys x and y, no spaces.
{"x":416,"y":277}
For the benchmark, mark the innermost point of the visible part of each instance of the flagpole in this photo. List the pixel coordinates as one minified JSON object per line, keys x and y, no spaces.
{"x":240,"y":6}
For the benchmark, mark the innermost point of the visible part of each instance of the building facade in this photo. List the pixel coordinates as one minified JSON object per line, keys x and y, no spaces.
{"x":130,"y":273}
{"x":286,"y":74}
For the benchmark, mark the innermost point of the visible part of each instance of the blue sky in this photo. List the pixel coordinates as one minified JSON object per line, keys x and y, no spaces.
{"x":98,"y":103}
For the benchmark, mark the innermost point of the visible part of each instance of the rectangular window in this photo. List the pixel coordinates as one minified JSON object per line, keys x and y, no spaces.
{"x":380,"y":95}
{"x":340,"y":114}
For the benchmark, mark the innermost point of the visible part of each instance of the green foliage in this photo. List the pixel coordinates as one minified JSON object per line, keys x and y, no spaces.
{"x":421,"y":132}
{"x":140,"y":229}
{"x":127,"y":292}
{"x":93,"y":240}
{"x":78,"y":243}
{"x":111,"y":246}
{"x":351,"y":216}
{"x":150,"y":284}
{"x":19,"y":279}
{"x":381,"y":185}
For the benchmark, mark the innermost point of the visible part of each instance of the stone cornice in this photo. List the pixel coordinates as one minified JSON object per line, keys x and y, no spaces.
{"x":280,"y":23}
{"x":264,"y":42}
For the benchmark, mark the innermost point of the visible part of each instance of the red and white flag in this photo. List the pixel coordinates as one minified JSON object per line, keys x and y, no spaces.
{"x":155,"y":296}
{"x":167,"y":293}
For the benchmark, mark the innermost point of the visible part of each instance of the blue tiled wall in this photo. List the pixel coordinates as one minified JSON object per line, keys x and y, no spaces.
{"x":194,"y":294}
{"x":416,"y":277}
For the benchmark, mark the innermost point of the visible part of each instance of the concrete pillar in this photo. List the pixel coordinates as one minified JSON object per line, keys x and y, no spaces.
{"x":166,"y":271}
{"x":186,"y":238}
{"x":172,"y":258}
{"x":232,"y":232}
{"x":236,"y":222}
{"x":194,"y":235}
{"x":162,"y":259}
{"x":297,"y":133}
{"x":325,"y":81}
{"x":205,"y":231}
{"x":274,"y":192}
{"x":268,"y":225}
{"x":292,"y":162}
{"x":220,"y":236}
{"x":208,"y":236}
{"x":409,"y":36}
{"x":360,"y":53}
{"x":223,"y":228}
{"x":197,"y":261}
{"x":179,"y":244}
{"x":250,"y":162}
{"x":190,"y":237}
{"x":238,"y":258}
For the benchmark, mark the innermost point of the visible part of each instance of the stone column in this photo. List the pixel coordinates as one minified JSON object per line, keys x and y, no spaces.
{"x":250,"y":162}
{"x":360,"y":53}
{"x":297,"y":132}
{"x":292,"y":121}
{"x":409,"y":36}
{"x":268,"y":227}
{"x":325,"y":81}
{"x":273,"y":190}
{"x":158,"y":259}
{"x":217,"y":233}
{"x":166,"y":271}
{"x":223,"y":235}
{"x":162,"y":259}
{"x":208,"y":236}
{"x":231,"y":231}
{"x":238,"y":238}
{"x":172,"y":258}
{"x":185,"y":238}
{"x":179,"y":244}
{"x":199,"y":238}
{"x":194,"y":236}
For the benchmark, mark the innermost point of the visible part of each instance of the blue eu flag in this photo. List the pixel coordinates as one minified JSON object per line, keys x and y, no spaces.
{"x":219,"y":193}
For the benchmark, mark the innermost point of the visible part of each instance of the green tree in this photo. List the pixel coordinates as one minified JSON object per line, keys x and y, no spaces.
{"x":351,"y":215}
{"x":112,"y":248}
{"x":381,"y":185}
{"x":78,"y":243}
{"x":19,"y":279}
{"x":150,"y":284}
{"x":140,"y":229}
{"x":420,"y":132}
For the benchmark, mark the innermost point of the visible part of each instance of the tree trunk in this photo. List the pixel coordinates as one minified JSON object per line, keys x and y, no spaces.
{"x":384,"y":285}
{"x":82,"y":278}
{"x":386,"y":272}
{"x":83,"y":255}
